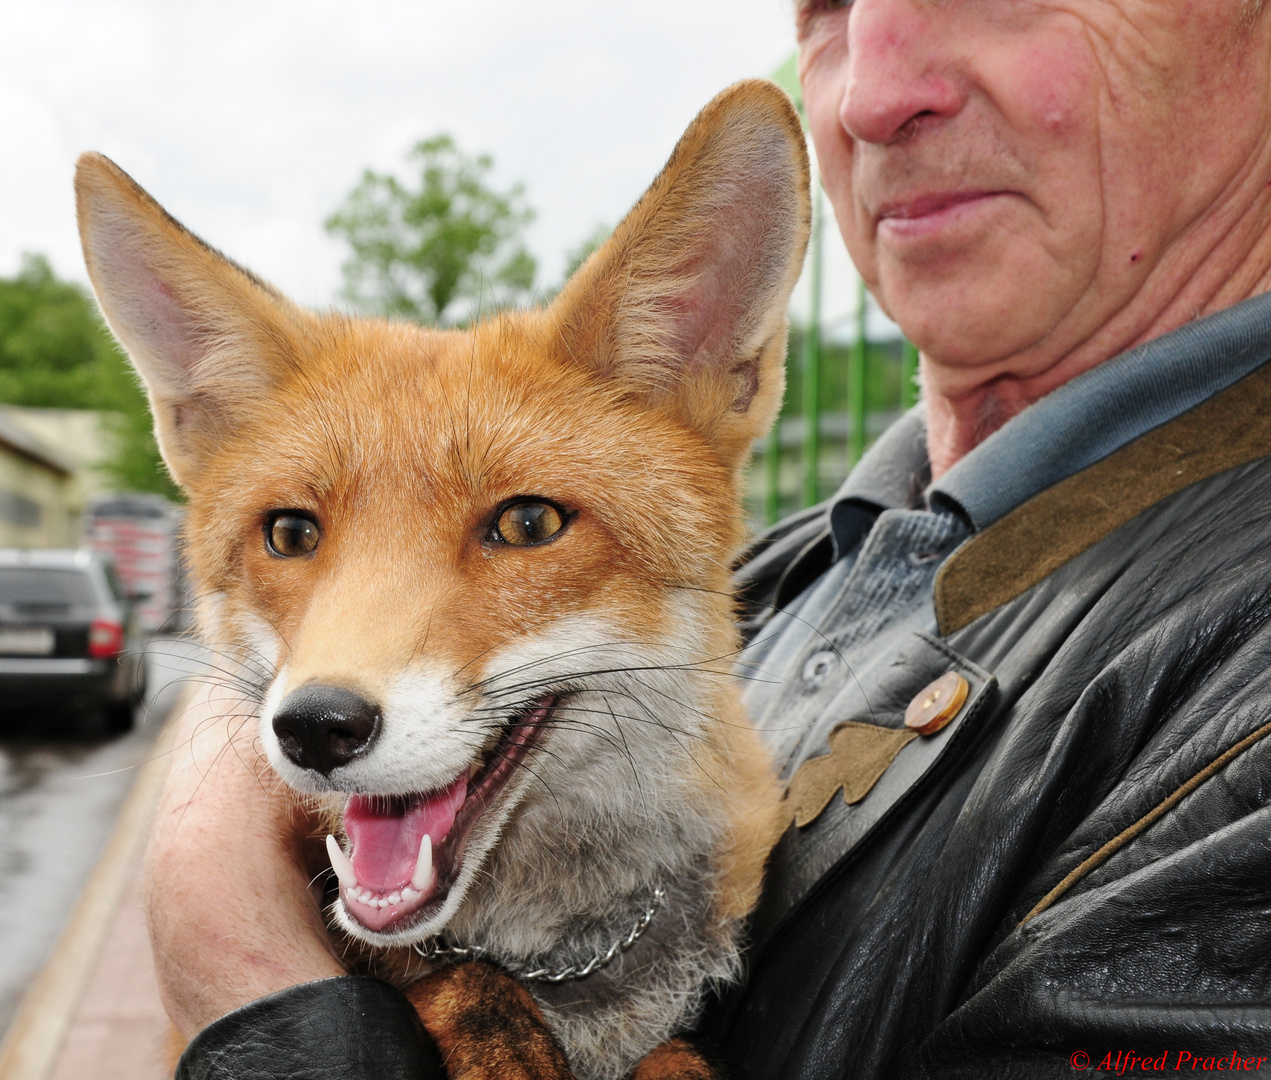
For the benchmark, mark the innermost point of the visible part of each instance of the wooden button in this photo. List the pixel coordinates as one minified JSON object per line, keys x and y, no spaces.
{"x":936,"y":705}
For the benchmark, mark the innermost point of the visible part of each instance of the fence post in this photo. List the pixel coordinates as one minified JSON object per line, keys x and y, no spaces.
{"x":772,"y":474}
{"x":856,"y":384}
{"x":812,"y":363}
{"x":908,"y":375}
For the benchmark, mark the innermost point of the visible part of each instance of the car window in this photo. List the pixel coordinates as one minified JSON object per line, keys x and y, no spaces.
{"x":38,"y":585}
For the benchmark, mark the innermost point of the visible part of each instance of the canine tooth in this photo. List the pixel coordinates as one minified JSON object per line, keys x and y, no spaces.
{"x":394,"y":898}
{"x":422,"y":877}
{"x":340,"y":863}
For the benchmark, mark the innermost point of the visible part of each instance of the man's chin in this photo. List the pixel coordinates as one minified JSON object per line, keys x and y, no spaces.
{"x":976,"y":319}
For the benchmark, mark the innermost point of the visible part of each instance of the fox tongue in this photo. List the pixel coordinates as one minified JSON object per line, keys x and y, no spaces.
{"x":386,"y":833}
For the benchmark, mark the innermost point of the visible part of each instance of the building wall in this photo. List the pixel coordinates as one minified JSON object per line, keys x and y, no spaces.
{"x":80,"y":439}
{"x":35,"y":509}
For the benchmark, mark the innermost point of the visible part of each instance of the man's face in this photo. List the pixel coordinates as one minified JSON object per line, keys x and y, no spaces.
{"x":1015,"y":178}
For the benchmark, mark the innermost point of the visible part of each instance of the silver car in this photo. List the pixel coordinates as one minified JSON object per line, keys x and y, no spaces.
{"x":67,"y":640}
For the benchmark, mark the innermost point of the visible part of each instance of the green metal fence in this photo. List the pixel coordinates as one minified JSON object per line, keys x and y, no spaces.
{"x":839,"y":398}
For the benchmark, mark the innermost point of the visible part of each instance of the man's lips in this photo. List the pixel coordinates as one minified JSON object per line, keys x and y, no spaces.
{"x":924,"y":214}
{"x":406,"y":851}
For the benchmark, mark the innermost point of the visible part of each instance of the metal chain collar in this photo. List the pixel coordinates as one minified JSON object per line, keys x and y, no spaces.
{"x":436,"y":948}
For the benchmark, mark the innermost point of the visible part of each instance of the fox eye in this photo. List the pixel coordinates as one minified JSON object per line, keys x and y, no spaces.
{"x":291,"y":535}
{"x":529,"y":522}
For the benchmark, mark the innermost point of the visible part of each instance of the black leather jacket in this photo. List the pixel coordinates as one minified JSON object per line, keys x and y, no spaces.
{"x":1077,"y":871}
{"x":1081,"y":876}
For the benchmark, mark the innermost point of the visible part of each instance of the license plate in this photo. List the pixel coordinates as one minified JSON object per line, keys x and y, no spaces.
{"x":26,"y":640}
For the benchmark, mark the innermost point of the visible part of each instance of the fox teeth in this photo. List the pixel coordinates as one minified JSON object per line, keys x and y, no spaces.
{"x":420,"y":880}
{"x":341,"y":864}
{"x":422,"y":877}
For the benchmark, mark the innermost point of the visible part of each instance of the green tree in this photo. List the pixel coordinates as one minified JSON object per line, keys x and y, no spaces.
{"x":55,"y":352}
{"x":421,"y":246}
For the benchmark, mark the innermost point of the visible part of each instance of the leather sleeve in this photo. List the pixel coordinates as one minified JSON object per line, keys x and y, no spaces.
{"x":346,"y":1028}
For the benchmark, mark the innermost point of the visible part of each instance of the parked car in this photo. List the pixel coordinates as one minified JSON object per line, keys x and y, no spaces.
{"x":67,"y":639}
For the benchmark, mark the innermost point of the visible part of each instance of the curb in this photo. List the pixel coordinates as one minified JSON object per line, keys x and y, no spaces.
{"x":39,"y":1028}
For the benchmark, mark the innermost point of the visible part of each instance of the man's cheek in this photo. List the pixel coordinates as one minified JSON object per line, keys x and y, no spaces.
{"x":1048,"y":88}
{"x":859,"y":235}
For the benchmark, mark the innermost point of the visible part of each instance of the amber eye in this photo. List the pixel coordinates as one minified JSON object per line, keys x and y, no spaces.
{"x":526,"y":523}
{"x":290,"y":535}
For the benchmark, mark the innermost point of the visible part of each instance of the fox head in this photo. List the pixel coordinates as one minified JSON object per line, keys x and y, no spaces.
{"x":478,"y":578}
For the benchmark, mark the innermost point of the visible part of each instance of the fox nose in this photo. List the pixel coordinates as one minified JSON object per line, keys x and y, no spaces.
{"x":324,"y":727}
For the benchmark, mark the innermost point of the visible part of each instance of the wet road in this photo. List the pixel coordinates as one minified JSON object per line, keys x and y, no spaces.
{"x":58,"y":800}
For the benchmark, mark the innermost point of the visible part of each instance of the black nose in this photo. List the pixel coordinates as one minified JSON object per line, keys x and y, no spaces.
{"x":324,"y":727}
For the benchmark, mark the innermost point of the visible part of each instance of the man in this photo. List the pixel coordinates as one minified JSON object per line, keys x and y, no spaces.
{"x":1070,"y":866}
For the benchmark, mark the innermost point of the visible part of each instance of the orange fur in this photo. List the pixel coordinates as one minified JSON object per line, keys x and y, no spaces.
{"x":486,"y":1026}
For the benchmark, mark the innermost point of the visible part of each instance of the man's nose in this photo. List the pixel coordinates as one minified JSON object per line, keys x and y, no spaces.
{"x":324,"y":727}
{"x":899,"y":70}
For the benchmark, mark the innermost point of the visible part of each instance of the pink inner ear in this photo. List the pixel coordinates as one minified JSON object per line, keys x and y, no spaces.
{"x":171,"y":332}
{"x":144,"y":309}
{"x":709,"y":319}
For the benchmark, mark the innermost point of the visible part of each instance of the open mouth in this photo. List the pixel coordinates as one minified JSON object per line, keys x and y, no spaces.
{"x":406,"y":851}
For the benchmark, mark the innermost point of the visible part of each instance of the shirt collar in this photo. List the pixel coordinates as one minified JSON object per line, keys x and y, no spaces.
{"x":891,"y":474}
{"x":1070,"y":429}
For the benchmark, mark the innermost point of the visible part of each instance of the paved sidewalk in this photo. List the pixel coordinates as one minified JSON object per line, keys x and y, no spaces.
{"x":119,"y":1031}
{"x":94,"y":1010}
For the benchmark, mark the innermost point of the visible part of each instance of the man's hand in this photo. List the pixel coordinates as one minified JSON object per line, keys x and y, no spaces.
{"x":227,"y":872}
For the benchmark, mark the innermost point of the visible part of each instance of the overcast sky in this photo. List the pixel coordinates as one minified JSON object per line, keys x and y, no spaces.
{"x":250,"y":121}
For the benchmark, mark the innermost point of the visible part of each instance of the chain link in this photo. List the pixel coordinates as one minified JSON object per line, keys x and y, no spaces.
{"x":436,"y":949}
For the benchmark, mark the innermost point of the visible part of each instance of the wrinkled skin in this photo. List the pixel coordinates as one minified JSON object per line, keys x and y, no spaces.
{"x":1126,"y":146}
{"x":1120,"y":153}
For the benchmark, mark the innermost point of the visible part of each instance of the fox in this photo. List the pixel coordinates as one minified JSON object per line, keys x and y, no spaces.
{"x":477,"y":581}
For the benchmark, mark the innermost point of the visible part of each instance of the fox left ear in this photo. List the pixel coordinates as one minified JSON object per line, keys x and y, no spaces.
{"x":209,"y":339}
{"x":686,"y":302}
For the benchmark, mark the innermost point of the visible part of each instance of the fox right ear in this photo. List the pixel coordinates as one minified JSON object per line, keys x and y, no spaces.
{"x":684,"y":307}
{"x":208,"y":338}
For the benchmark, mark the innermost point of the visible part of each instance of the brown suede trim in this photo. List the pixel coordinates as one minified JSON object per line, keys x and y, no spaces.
{"x":1036,"y":538}
{"x":1151,"y":817}
{"x":859,"y":755}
